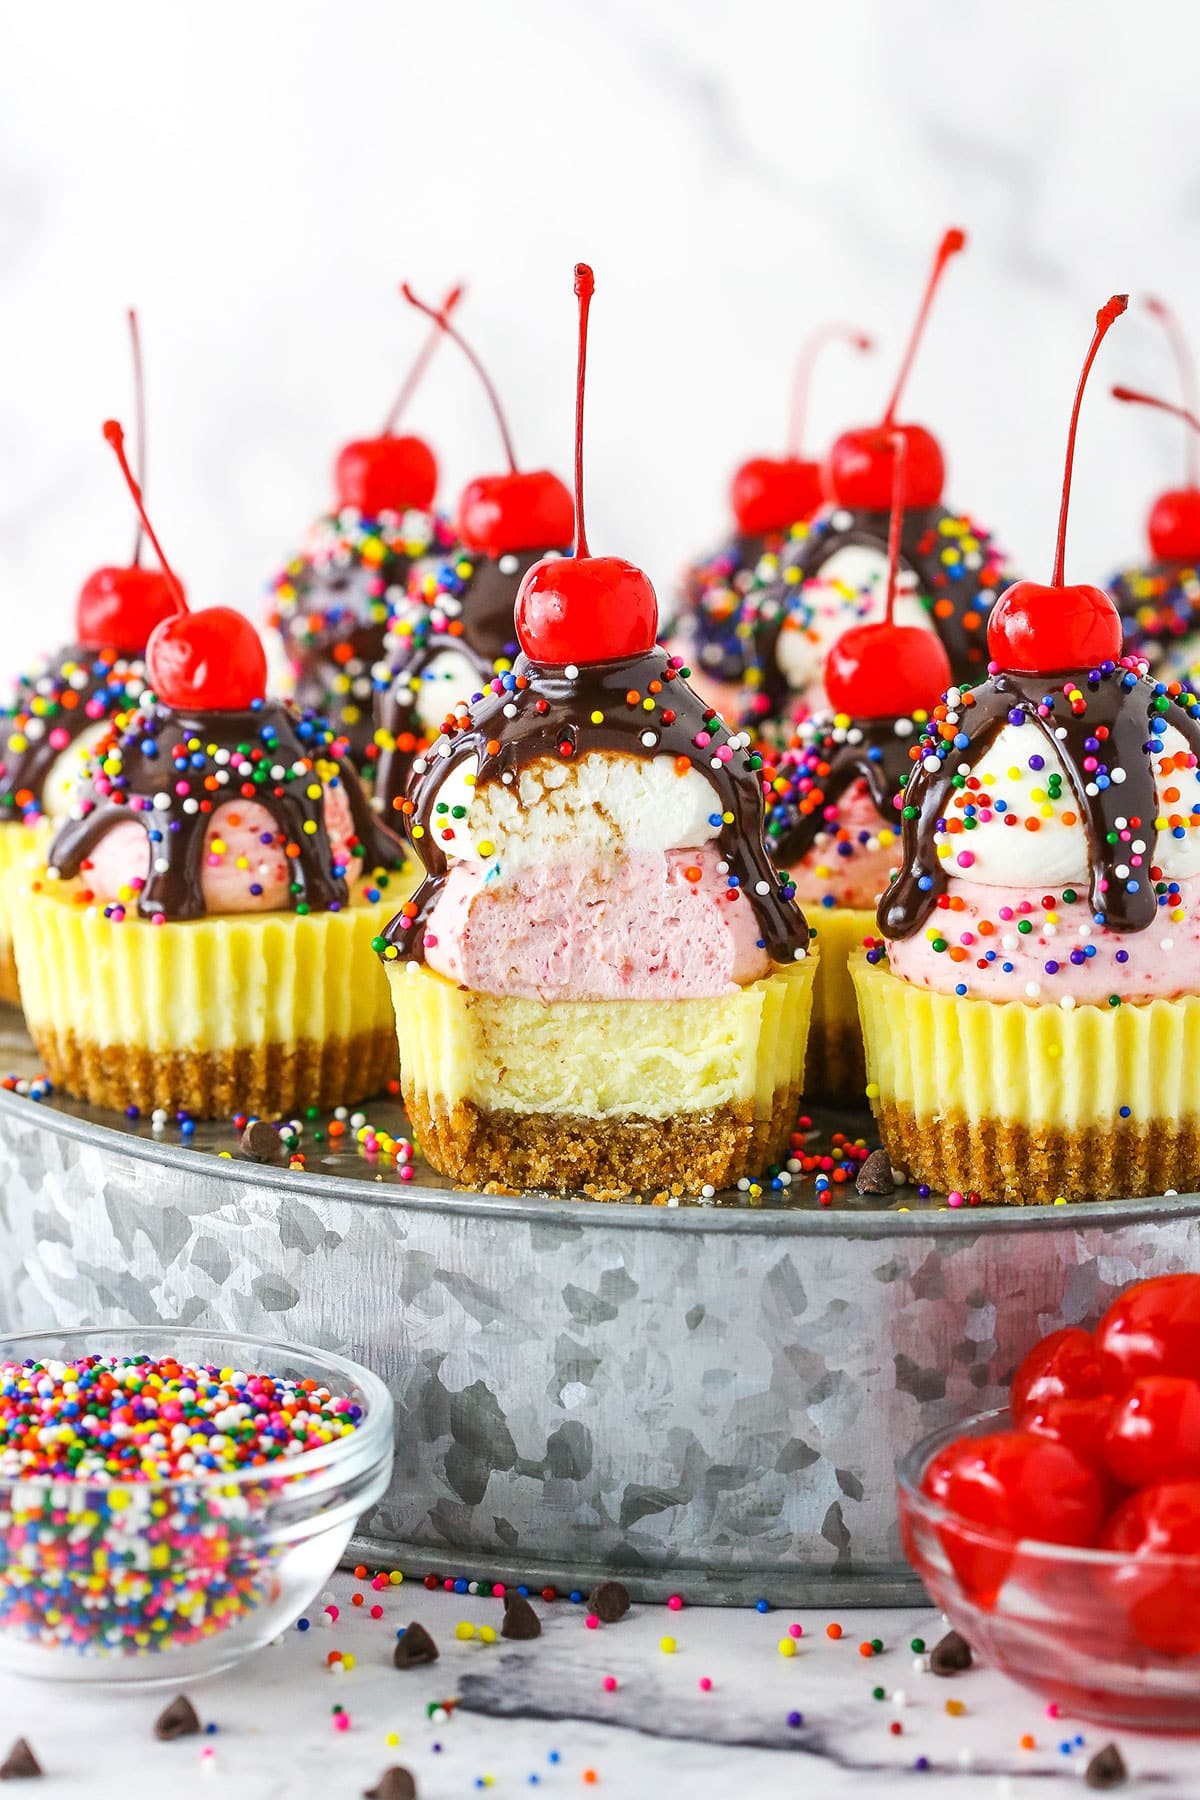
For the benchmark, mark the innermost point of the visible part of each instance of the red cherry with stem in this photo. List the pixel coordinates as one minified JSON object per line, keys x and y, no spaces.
{"x":1153,"y":1328}
{"x":1175,"y":516}
{"x":117,"y":609}
{"x":526,"y":509}
{"x":389,"y":473}
{"x":1064,"y":1365}
{"x":1039,"y":630}
{"x":585,"y":609}
{"x":1154,"y":1432}
{"x":858,"y":471}
{"x":769,"y":493}
{"x":1160,"y":1597}
{"x":207,"y":661}
{"x":884,"y":670}
{"x":1012,"y":1485}
{"x":114,"y":437}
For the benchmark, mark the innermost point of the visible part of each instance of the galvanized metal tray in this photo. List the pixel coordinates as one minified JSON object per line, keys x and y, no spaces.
{"x":703,"y":1399}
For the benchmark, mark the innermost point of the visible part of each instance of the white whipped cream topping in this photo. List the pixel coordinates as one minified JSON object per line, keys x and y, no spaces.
{"x":1056,"y":853}
{"x":602,"y":805}
{"x":849,"y":588}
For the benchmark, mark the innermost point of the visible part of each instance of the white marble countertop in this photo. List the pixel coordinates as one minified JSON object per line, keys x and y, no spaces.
{"x":538,"y":1714}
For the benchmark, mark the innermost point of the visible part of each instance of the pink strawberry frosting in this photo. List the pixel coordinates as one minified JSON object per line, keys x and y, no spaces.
{"x":245,"y":865}
{"x":649,"y":925}
{"x":1002,"y":943}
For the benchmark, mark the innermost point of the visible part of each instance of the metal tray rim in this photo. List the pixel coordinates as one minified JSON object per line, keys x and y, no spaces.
{"x":754,"y":1221}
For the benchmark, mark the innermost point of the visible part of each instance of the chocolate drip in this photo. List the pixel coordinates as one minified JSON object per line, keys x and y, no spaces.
{"x":872,"y":751}
{"x":1160,"y":610}
{"x":155,"y":749}
{"x":711,"y":593}
{"x":546,"y":710}
{"x":471,"y":614}
{"x":959,"y":594}
{"x":113,"y":684}
{"x":1112,"y":730}
{"x":332,"y":606}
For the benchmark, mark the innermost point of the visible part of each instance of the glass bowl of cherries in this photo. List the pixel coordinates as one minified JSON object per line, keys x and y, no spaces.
{"x":1061,"y":1535}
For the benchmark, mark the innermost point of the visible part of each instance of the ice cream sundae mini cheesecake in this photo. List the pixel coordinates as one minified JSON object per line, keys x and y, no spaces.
{"x":602,"y":981}
{"x":1032,"y":1015}
{"x":202,"y":935}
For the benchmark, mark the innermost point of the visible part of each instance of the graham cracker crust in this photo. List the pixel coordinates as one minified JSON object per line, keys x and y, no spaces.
{"x":835,"y":1066}
{"x":270,"y":1079}
{"x":619,"y":1156}
{"x":10,"y":987}
{"x":1018,"y":1165}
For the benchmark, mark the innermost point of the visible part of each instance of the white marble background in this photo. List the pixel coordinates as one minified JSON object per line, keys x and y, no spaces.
{"x":258,"y":177}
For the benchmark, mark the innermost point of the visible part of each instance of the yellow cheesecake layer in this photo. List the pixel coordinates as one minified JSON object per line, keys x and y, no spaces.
{"x":939,"y":1055}
{"x":835,"y":1055}
{"x":601,"y":1059}
{"x":223,"y":983}
{"x":20,"y":847}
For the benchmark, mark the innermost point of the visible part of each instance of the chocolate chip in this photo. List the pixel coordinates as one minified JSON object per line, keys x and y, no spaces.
{"x":1106,"y":1769}
{"x":414,"y":1648}
{"x":177,"y":1720}
{"x":20,"y":1764}
{"x":260,"y":1141}
{"x":875,"y":1176}
{"x":394,"y":1784}
{"x":609,"y":1601}
{"x":520,"y":1620}
{"x":951,"y":1655}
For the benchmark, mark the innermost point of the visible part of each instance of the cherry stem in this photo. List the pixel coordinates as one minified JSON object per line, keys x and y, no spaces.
{"x":585,"y":287}
{"x":114,"y":437}
{"x":139,"y":406}
{"x":443,"y":324}
{"x":810,"y":350}
{"x":896,"y":522}
{"x":1186,"y":364}
{"x":421,"y":361}
{"x":952,"y":242}
{"x":1167,"y":406}
{"x":1109,"y":313}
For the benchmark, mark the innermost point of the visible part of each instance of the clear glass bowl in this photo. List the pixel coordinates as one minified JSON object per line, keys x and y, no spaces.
{"x":1109,"y":1636}
{"x":164,"y":1581}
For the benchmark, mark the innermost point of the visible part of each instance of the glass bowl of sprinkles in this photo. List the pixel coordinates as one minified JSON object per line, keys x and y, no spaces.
{"x":170,"y":1499}
{"x":1106,"y":1634}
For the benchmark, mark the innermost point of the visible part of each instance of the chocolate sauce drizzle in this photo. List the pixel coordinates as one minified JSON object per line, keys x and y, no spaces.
{"x":348,"y":596}
{"x":709,"y":624}
{"x":551,"y":717}
{"x":1114,"y":731}
{"x":113,"y":684}
{"x":154,"y":747}
{"x":874,"y":753}
{"x":962,"y":629}
{"x":483,"y":593}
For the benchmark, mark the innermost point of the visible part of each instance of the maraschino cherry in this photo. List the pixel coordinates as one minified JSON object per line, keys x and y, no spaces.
{"x":526,"y":509}
{"x":858,"y":471}
{"x":208,"y":661}
{"x":769,"y":493}
{"x":390,"y":473}
{"x":884,"y":670}
{"x":118,"y":608}
{"x":1039,"y":630}
{"x":585,"y":608}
